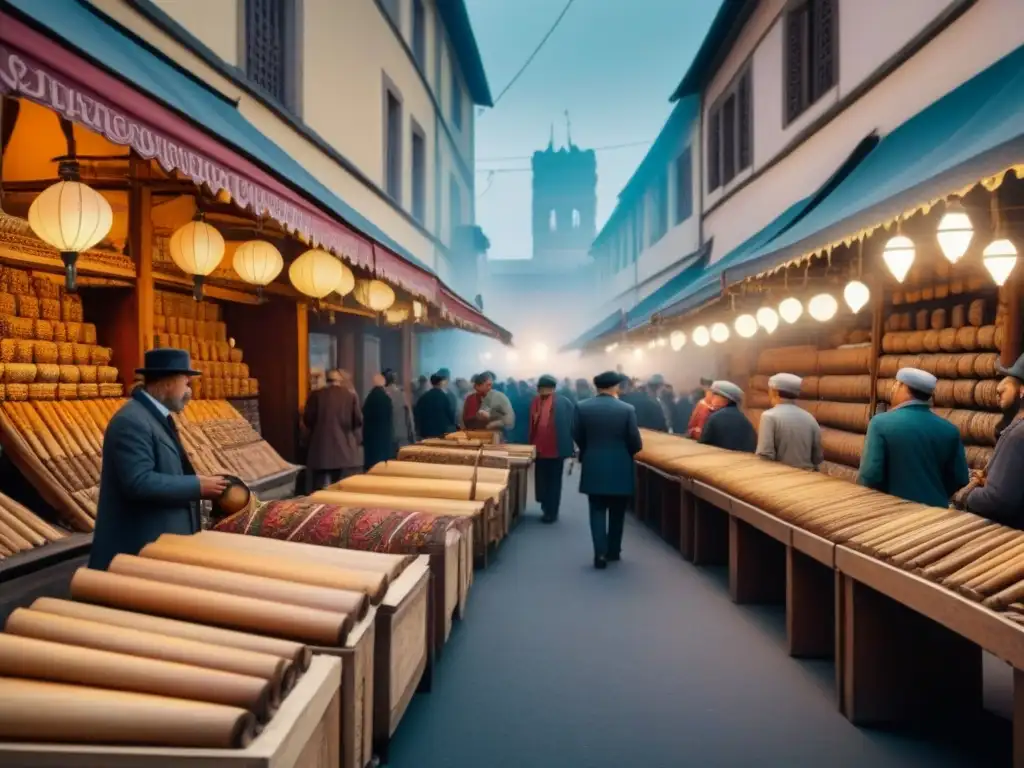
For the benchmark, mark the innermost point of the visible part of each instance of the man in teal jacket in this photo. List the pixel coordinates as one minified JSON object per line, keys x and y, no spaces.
{"x":909,"y":451}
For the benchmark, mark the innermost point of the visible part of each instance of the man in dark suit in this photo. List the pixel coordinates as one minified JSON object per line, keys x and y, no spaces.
{"x":550,"y":430}
{"x":378,"y":432}
{"x":727,"y":426}
{"x":147,"y":485}
{"x":608,"y":438}
{"x":434,"y":412}
{"x":335,"y":423}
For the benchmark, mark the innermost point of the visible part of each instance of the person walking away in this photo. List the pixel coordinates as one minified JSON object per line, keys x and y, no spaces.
{"x":607,"y":435}
{"x":421,"y":388}
{"x":909,"y":451}
{"x":401,"y":419}
{"x":566,"y":390}
{"x":583,"y":391}
{"x":148,"y":486}
{"x":701,"y":411}
{"x":684,"y":410}
{"x":521,"y":408}
{"x":789,"y":434}
{"x":486,"y":408}
{"x":667,"y":398}
{"x":334,"y":421}
{"x":997,"y":492}
{"x":550,"y":430}
{"x":649,"y":413}
{"x":435,"y":416}
{"x":378,"y":430}
{"x":727,"y":426}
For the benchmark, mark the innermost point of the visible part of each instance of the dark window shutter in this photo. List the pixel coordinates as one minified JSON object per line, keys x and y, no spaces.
{"x":746,"y":127}
{"x":265,"y":27}
{"x":729,"y":138}
{"x":796,"y":62}
{"x":714,"y":149}
{"x":684,"y":187}
{"x":823,"y":47}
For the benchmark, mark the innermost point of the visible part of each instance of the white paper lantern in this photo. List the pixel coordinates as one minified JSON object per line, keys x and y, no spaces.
{"x":955,"y":232}
{"x":1000,"y":257}
{"x":257,"y":262}
{"x":677,"y":339}
{"x":823,"y":307}
{"x":790,"y":310}
{"x":72,"y":217}
{"x":374,"y":294}
{"x":746,"y":326}
{"x":768,"y":319}
{"x":899,"y":256}
{"x":197,"y":248}
{"x":419,"y":310}
{"x":856,"y":295}
{"x":719,"y":333}
{"x":701,"y":336}
{"x":397,"y":315}
{"x":316,"y":273}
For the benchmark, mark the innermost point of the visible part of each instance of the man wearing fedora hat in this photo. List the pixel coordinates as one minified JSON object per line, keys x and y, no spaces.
{"x":147,"y":484}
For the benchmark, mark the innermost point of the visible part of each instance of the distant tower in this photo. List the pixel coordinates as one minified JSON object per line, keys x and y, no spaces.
{"x":564,"y":202}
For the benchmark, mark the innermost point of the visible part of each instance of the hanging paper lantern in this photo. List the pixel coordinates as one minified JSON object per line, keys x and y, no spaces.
{"x":374,"y":294}
{"x":701,"y":336}
{"x":746,"y":326}
{"x":316,"y":273}
{"x":768,"y":319}
{"x":719,"y":333}
{"x":823,"y":307}
{"x":955,"y":232}
{"x":790,"y":310}
{"x":397,"y":314}
{"x":419,"y":310}
{"x":197,"y":248}
{"x":72,"y":217}
{"x":856,"y":295}
{"x":1000,"y":257}
{"x":258,"y":263}
{"x":677,"y":340}
{"x":899,"y":256}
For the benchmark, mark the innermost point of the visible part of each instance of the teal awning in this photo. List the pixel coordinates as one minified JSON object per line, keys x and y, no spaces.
{"x":969,"y":134}
{"x":669,"y":293}
{"x":615,"y":322}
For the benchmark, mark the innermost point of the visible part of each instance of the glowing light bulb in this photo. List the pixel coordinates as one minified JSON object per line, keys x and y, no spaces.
{"x":955,"y":232}
{"x":701,"y":336}
{"x":638,"y":353}
{"x":899,"y":256}
{"x":678,"y":340}
{"x":823,"y":307}
{"x":746,"y":326}
{"x":856,"y":295}
{"x":790,"y":310}
{"x":1000,"y":257}
{"x":719,"y":333}
{"x":768,"y":319}
{"x":662,"y":341}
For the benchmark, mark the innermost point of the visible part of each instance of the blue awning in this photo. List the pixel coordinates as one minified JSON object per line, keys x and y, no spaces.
{"x":616,"y":321}
{"x":669,"y":293}
{"x":710,"y":284}
{"x":94,"y":35}
{"x":969,"y":134}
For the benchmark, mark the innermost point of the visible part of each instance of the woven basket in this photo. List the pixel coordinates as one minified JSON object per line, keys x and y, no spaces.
{"x":111,"y":390}
{"x":220,"y":332}
{"x":19,"y":373}
{"x":986,"y":395}
{"x":159,"y":323}
{"x":978,"y":456}
{"x":73,"y":331}
{"x":65,"y":353}
{"x":758,"y":382}
{"x":67,"y":391}
{"x":85,"y":391}
{"x":88,"y":374}
{"x":47,"y":373}
{"x":28,"y":306}
{"x":254,"y":386}
{"x":188,"y":327}
{"x":158,"y":303}
{"x":49,"y":309}
{"x":42,"y":391}
{"x":100,"y":355}
{"x":963,"y":393}
{"x":985,"y":365}
{"x":197,"y":389}
{"x":844,"y":388}
{"x":755,"y":398}
{"x":106,"y":374}
{"x":46,"y":289}
{"x":23,"y":351}
{"x":976,"y":312}
{"x":987,"y":337}
{"x":71,"y":309}
{"x":42,"y":330}
{"x":223,"y":351}
{"x":60,"y":331}
{"x":16,"y":392}
{"x":22,"y":328}
{"x":18,"y":281}
{"x":849,"y":360}
{"x":8,"y":304}
{"x":851,"y":417}
{"x":172,"y":325}
{"x":938,"y":320}
{"x":88,"y":333}
{"x":83,"y":354}
{"x":921,"y":318}
{"x":44,"y":352}
{"x":842,"y":447}
{"x":243,"y":370}
{"x":69,"y":374}
{"x":967,"y":338}
{"x":965,"y":365}
{"x":235,"y":356}
{"x":7,"y":349}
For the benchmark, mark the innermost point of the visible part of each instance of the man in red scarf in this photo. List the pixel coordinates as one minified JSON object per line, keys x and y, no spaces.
{"x":551,"y":418}
{"x":701,"y":411}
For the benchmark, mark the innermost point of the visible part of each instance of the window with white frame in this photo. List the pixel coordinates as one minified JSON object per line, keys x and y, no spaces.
{"x":810,"y":57}
{"x":731,"y":132}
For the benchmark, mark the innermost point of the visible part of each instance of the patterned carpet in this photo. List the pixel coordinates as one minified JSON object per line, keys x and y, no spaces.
{"x":645,"y":665}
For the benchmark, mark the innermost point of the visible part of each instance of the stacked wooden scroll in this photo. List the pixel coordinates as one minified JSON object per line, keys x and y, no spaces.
{"x":22,"y":530}
{"x":46,"y":351}
{"x":962,"y":352}
{"x":183,"y":323}
{"x":58,"y":446}
{"x":977,"y":558}
{"x":199,"y":640}
{"x":836,"y":390}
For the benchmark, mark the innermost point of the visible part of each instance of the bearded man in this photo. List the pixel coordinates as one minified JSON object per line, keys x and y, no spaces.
{"x":147,"y":485}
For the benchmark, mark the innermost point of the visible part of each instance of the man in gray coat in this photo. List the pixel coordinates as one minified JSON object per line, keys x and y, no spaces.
{"x":401,"y":417}
{"x":787,"y":432}
{"x":606,"y":432}
{"x":147,"y":484}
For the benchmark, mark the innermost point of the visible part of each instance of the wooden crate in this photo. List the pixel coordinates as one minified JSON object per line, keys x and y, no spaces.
{"x":304,"y":733}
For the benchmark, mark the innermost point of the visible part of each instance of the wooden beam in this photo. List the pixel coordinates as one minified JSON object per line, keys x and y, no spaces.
{"x":302,"y":364}
{"x":140,"y":234}
{"x":1012,"y":327}
{"x":408,"y":357}
{"x":877,"y":283}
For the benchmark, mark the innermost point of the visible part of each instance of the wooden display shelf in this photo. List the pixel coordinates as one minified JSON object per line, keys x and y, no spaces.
{"x":33,"y":560}
{"x":280,"y":485}
{"x":41,"y":572}
{"x":304,"y":733}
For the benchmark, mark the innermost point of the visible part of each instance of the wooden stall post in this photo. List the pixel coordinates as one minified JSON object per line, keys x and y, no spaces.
{"x":710,"y":534}
{"x":687,"y":505}
{"x":810,"y":606}
{"x":302,"y":354}
{"x":140,"y":212}
{"x":640,"y":491}
{"x":901,"y":667}
{"x":1012,"y":332}
{"x":408,"y":358}
{"x":654,"y":493}
{"x":1018,"y":718}
{"x":670,"y":510}
{"x":757,"y":565}
{"x":877,"y":325}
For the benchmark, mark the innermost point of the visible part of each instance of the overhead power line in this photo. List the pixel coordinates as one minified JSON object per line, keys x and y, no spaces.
{"x":536,"y":50}
{"x":605,"y":148}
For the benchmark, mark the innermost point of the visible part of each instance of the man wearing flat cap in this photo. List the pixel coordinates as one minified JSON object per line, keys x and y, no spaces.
{"x":998,"y":492}
{"x":787,"y":433}
{"x":727,"y":426}
{"x":147,"y":484}
{"x":550,"y":430}
{"x":701,"y":411}
{"x":909,"y":451}
{"x":606,"y":432}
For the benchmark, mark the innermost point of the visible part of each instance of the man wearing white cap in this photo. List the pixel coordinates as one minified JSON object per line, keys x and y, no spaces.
{"x":728,"y":427}
{"x":909,"y":451}
{"x":787,"y":433}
